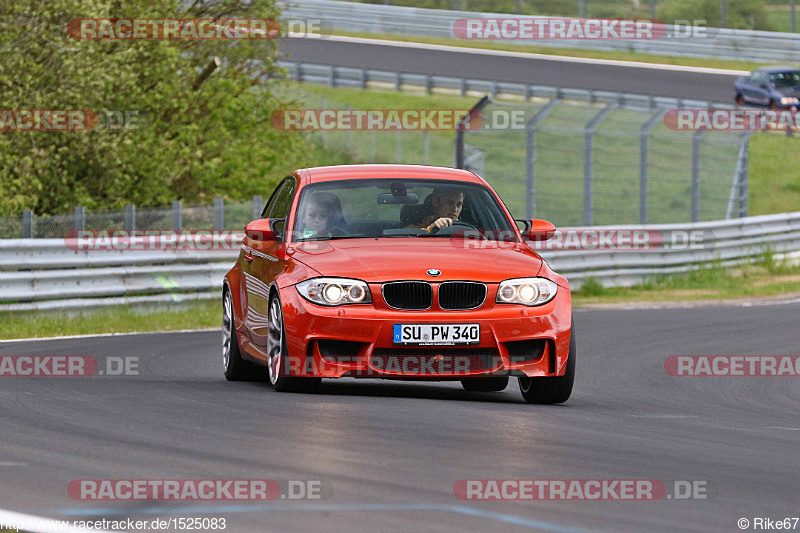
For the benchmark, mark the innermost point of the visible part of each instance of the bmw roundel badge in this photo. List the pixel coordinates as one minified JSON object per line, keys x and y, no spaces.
{"x":433,"y":272}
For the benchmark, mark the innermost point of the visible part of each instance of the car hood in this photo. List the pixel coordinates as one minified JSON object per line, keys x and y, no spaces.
{"x":789,"y":91}
{"x":387,"y":259}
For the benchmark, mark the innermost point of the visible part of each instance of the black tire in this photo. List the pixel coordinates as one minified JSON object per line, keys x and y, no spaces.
{"x":739,"y":99}
{"x":235,"y":367}
{"x":772,"y":105}
{"x":493,"y":384}
{"x":277,"y":351}
{"x":555,"y":389}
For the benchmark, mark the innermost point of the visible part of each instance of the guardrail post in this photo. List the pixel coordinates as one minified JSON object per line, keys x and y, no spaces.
{"x":398,"y":81}
{"x":696,"y":144}
{"x":530,"y":156}
{"x":364,"y":78}
{"x":258,"y":201}
{"x":27,"y":224}
{"x":463,"y":87}
{"x":299,"y":72}
{"x":332,"y":77}
{"x":428,"y":84}
{"x":643,"y":172}
{"x":587,"y":161}
{"x":219,"y":213}
{"x":398,"y":146}
{"x":130,"y":217}
{"x":80,"y":218}
{"x":177,"y":219}
{"x":528,"y":93}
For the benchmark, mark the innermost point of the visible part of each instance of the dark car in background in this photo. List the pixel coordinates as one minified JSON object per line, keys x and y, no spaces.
{"x":773,"y":87}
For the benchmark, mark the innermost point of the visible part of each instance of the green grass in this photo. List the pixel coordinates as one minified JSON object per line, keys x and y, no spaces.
{"x":568,"y":52}
{"x":763,"y":279}
{"x":114,"y":319}
{"x":774,"y":183}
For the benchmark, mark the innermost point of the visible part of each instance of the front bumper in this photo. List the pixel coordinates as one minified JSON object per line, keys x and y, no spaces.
{"x":357,"y":340}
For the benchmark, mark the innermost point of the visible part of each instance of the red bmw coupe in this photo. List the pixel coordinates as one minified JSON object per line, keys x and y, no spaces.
{"x":399,"y":272}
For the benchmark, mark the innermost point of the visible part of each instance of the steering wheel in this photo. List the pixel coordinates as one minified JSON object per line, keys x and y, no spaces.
{"x":449,"y":230}
{"x":339,"y":231}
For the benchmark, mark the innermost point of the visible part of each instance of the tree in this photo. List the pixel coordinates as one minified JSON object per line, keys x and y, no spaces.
{"x":196,"y":142}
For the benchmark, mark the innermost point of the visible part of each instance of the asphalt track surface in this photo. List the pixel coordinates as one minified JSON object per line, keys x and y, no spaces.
{"x":388,"y":453}
{"x":400,"y":57}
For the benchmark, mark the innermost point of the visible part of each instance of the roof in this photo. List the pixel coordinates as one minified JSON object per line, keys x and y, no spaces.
{"x":376,"y":171}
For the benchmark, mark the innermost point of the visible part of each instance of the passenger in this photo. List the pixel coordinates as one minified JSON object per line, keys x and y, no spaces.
{"x":447,"y":204}
{"x":321,"y":214}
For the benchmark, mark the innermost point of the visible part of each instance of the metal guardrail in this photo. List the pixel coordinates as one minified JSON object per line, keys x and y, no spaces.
{"x":336,"y":76}
{"x":29,"y":278}
{"x":742,"y":45}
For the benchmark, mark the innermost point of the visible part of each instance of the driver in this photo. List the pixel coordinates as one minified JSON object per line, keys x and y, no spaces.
{"x":447,"y":204}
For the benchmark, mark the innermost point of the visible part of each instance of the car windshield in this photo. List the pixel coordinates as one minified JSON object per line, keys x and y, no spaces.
{"x":789,"y":78}
{"x":386,"y":208}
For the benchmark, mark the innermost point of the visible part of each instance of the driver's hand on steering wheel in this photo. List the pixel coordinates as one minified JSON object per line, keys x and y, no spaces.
{"x":438,"y":224}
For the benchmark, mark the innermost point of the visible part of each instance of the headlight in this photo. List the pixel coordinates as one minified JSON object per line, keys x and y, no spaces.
{"x":526,"y":291}
{"x":788,"y":100}
{"x":335,"y":291}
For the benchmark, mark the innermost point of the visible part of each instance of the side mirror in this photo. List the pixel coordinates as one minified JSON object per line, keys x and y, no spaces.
{"x":540,"y":230}
{"x":261,"y":230}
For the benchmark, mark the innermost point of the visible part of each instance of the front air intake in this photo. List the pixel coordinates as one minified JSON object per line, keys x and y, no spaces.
{"x":408,"y":295}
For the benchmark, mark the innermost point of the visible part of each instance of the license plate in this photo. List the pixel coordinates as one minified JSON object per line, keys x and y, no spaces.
{"x":437,"y":334}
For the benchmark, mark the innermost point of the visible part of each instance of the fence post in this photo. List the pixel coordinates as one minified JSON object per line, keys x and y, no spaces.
{"x":398,"y":146}
{"x":257,"y":203}
{"x":744,"y":182}
{"x":587,"y":161}
{"x":177,"y":219}
{"x":696,"y":140}
{"x":80,"y":218}
{"x":27,"y":224}
{"x":219,"y":213}
{"x":643,"y":173}
{"x":530,"y":156}
{"x":130,"y":217}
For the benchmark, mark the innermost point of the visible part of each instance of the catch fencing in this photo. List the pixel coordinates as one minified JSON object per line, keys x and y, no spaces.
{"x":575,"y":157}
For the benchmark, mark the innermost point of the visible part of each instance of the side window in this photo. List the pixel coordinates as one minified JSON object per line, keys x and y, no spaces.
{"x":758,"y":79}
{"x":282,"y":204}
{"x":271,"y":201}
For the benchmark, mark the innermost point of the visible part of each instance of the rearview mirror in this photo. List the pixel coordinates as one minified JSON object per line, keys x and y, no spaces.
{"x":388,"y":198}
{"x":261,"y":229}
